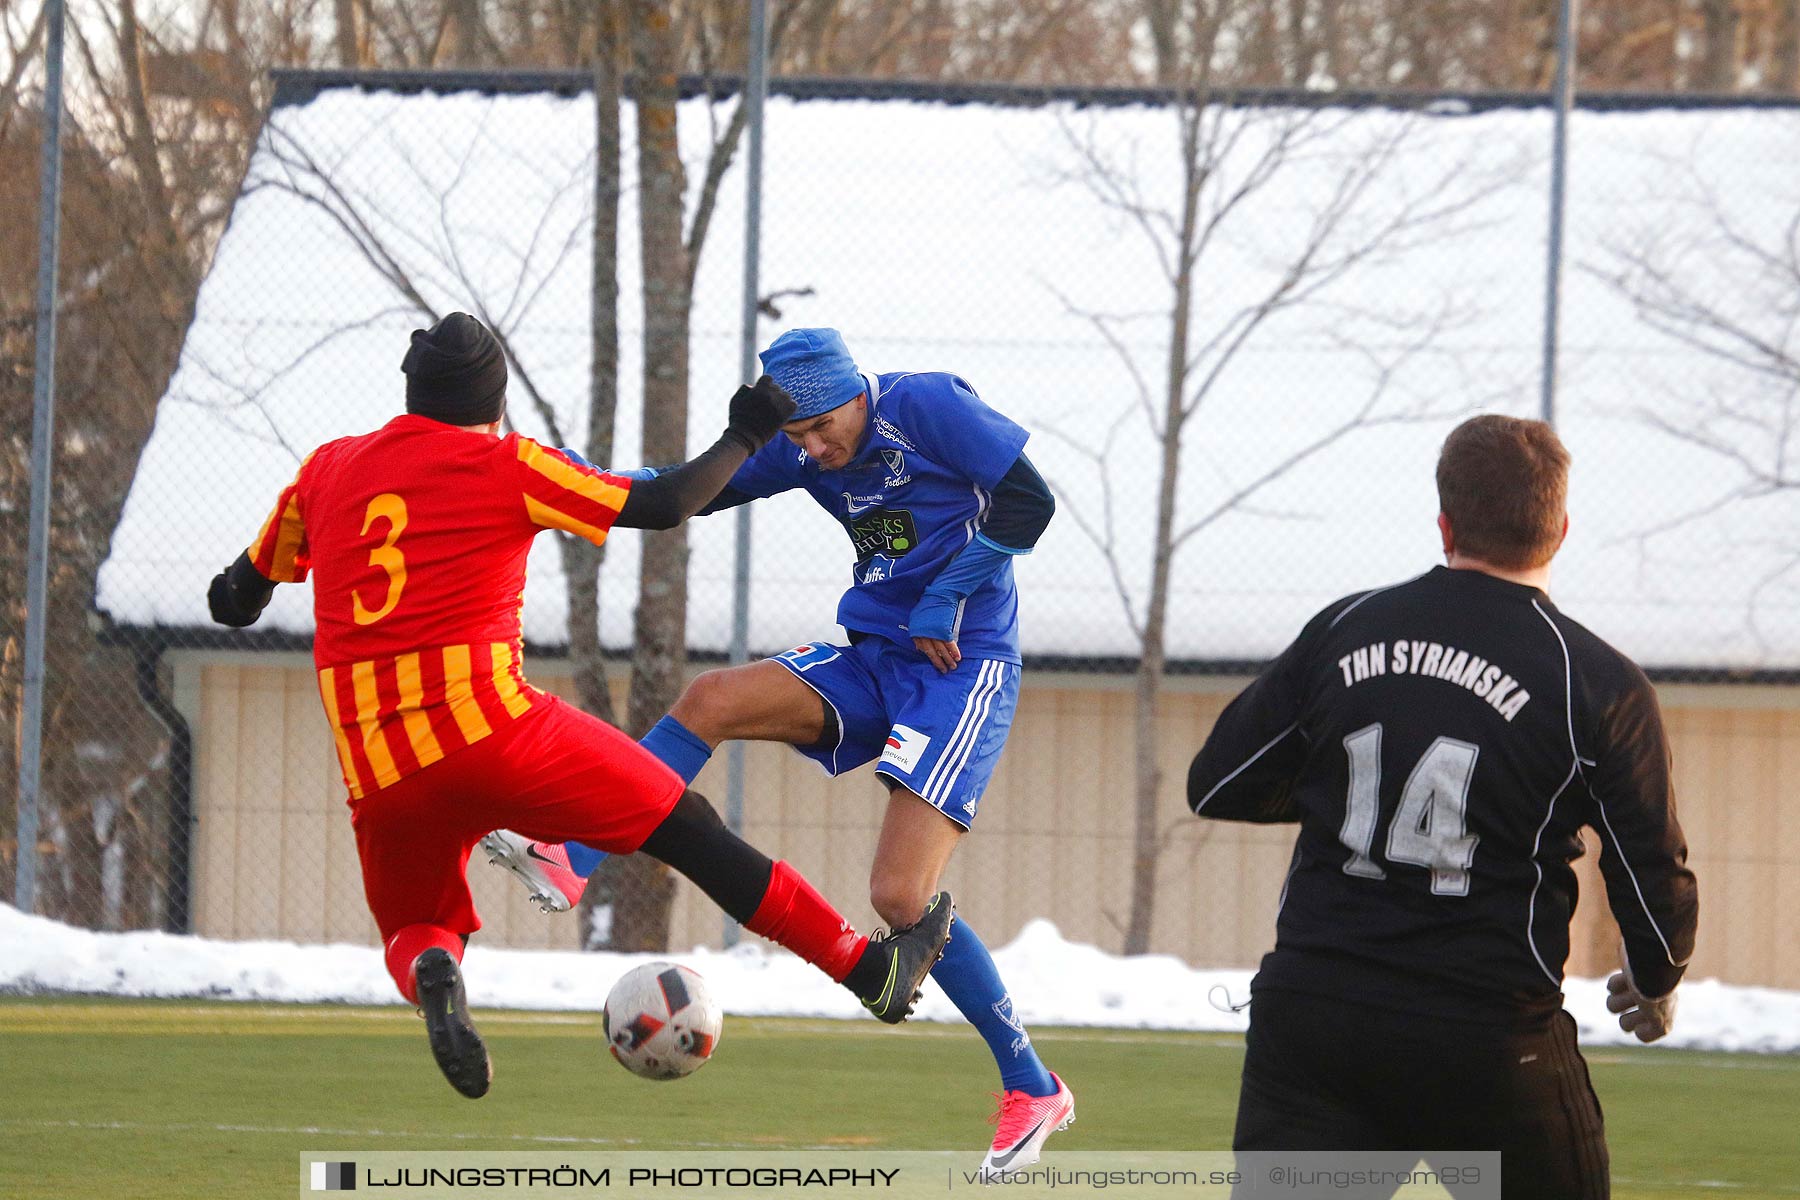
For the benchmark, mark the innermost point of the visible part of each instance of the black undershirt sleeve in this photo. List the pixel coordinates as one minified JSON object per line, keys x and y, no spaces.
{"x":729,"y":498}
{"x":668,"y":499}
{"x":1020,"y":509}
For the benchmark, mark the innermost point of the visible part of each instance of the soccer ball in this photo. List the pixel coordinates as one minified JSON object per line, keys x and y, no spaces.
{"x":661,"y":1022}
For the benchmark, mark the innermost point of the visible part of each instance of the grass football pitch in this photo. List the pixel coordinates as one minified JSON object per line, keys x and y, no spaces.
{"x":185,"y":1099}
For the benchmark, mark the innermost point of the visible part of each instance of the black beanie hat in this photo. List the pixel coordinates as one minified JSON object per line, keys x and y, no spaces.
{"x":456,"y":372}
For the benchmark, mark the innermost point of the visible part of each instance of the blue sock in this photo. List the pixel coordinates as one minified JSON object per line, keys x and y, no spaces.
{"x":582,"y":858}
{"x":968,"y":976}
{"x":680,"y":748}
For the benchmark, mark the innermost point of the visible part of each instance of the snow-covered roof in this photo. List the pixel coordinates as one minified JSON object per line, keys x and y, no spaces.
{"x":982,"y":239}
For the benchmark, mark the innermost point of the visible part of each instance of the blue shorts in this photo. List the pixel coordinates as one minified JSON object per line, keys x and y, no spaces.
{"x":938,"y":735}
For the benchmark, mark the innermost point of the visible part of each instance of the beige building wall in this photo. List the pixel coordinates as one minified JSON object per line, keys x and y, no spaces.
{"x":274,"y":856}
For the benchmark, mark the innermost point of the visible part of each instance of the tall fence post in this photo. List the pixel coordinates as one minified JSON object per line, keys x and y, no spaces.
{"x":43,"y":422}
{"x":755,"y":87}
{"x":1564,"y":92}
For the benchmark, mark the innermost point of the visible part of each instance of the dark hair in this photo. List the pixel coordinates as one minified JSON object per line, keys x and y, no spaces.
{"x":1504,"y":484}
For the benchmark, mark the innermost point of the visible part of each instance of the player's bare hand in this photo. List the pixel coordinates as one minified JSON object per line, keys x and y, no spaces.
{"x":1645,"y":1017}
{"x":943,"y":655}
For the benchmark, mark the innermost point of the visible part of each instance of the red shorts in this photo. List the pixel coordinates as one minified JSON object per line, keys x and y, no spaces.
{"x":554,"y":775}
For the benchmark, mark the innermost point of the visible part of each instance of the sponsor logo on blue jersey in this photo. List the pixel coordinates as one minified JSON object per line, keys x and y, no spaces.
{"x":896,"y":465}
{"x":854,"y":504}
{"x":891,"y":432}
{"x":885,"y":531}
{"x":875,"y":570}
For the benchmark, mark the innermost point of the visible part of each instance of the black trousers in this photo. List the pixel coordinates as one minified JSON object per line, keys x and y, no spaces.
{"x":1326,"y":1074}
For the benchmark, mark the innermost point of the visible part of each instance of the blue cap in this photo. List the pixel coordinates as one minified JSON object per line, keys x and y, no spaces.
{"x":814,"y":368}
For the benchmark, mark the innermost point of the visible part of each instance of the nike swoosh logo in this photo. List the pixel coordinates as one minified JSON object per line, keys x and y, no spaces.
{"x":1005,"y":1160}
{"x":531,"y":852}
{"x":879,"y":1005}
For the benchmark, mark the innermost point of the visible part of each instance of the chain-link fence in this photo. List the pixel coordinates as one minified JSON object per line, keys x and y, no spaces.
{"x":1357,"y":274}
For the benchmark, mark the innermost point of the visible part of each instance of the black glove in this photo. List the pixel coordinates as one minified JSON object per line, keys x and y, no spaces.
{"x":238,"y":594}
{"x":758,"y":412}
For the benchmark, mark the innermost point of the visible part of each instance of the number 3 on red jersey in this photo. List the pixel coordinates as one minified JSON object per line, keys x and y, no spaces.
{"x":387,"y":556}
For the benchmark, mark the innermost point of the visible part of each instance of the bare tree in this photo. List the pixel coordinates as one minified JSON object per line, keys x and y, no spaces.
{"x":156,"y":137}
{"x":1724,"y":284}
{"x":1784,"y":43}
{"x":636,"y":892}
{"x":581,"y":560}
{"x":1049,"y":42}
{"x":642,"y":889}
{"x":1230,"y":157}
{"x":347,"y":33}
{"x":463,"y":36}
{"x":1719,"y":46}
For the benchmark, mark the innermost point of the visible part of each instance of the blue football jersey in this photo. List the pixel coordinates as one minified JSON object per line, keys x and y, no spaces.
{"x":914,"y":496}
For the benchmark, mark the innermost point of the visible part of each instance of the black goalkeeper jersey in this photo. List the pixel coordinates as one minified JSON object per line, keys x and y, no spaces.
{"x":1440,"y":743}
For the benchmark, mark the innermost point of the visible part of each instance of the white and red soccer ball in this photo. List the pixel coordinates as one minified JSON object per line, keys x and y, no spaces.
{"x":661,"y":1022}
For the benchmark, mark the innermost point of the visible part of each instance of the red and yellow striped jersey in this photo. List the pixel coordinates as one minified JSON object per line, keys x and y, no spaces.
{"x":416,"y":537}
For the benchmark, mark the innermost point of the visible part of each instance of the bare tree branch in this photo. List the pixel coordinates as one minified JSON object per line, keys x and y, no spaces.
{"x":22,"y":58}
{"x":1102,"y":536}
{"x":724,"y":149}
{"x":1229,"y":158}
{"x":1730,"y":292}
{"x":1117,"y":189}
{"x":1103,"y":325}
{"x":253,"y":397}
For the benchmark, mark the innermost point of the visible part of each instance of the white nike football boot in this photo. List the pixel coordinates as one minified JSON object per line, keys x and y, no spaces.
{"x":544,"y":869}
{"x":1025,"y":1122}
